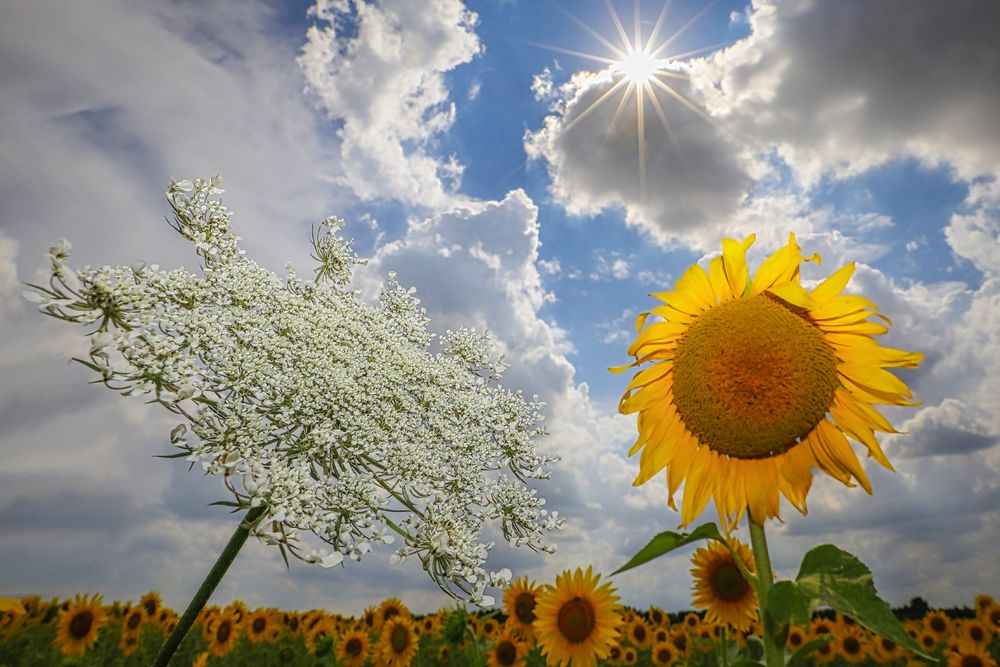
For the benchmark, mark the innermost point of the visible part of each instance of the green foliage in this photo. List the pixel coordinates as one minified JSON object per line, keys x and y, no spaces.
{"x":668,"y":541}
{"x":831,"y":576}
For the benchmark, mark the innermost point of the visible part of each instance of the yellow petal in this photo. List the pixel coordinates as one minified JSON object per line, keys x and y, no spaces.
{"x":687,"y":447}
{"x":833,"y":285}
{"x":840,"y":449}
{"x":695,"y":282}
{"x":793,"y":293}
{"x":717,"y":276}
{"x":734,"y":263}
{"x":874,"y":378}
{"x":781,"y":267}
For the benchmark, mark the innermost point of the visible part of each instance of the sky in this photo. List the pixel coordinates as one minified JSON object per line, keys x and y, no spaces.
{"x":481,"y":152}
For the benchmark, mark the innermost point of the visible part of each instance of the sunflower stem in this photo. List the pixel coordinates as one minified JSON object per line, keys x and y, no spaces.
{"x":774,"y":644}
{"x":207,"y":587}
{"x":725,"y":648}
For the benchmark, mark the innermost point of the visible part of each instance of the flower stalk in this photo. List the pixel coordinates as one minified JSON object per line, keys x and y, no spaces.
{"x":208,"y":586}
{"x":773,"y":633}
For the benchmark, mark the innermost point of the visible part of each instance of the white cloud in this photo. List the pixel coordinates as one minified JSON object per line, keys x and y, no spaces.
{"x":839,"y":87}
{"x":8,"y":279}
{"x":695,"y":179}
{"x":379,"y":68}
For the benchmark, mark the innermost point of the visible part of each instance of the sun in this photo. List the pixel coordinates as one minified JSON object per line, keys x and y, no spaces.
{"x":639,"y":66}
{"x":642,"y":67}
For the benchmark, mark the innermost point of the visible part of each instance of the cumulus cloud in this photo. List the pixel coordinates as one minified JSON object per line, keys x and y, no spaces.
{"x":839,"y":87}
{"x":379,"y":68}
{"x":696,"y":174}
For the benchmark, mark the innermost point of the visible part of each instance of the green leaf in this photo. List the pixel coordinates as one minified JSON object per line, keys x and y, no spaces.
{"x":831,"y":576}
{"x":668,"y":541}
{"x":789,"y":603}
{"x":799,"y":657}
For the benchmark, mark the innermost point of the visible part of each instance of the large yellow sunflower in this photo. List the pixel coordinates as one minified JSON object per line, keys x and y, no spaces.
{"x":720,"y":588}
{"x":756,"y":381}
{"x":223,"y":634}
{"x":353,"y":647}
{"x":576,"y":621}
{"x":398,"y":643}
{"x":79,"y":624}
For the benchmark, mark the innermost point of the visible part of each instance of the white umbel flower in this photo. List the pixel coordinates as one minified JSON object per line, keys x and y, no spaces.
{"x":333,"y":414}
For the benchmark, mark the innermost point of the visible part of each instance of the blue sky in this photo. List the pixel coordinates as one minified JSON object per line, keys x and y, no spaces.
{"x":453,"y":144}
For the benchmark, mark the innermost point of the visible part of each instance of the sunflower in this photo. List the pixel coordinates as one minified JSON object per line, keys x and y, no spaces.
{"x":795,"y":639}
{"x":489,"y":628}
{"x":430,"y":626}
{"x":444,"y":654}
{"x":398,"y":645}
{"x":133,"y":620}
{"x":390,"y":608}
{"x":630,"y":656}
{"x":661,"y":635}
{"x":937,"y":623}
{"x":352,"y":650}
{"x":223,"y":633}
{"x":663,"y":654}
{"x":508,"y":650}
{"x":990,"y":617}
{"x":720,"y":587}
{"x":886,"y":649}
{"x":321,"y":631}
{"x":679,"y":641}
{"x":576,"y":620}
{"x":79,"y":623}
{"x":151,"y":602}
{"x":969,"y":655}
{"x":258,"y":625}
{"x":821,"y":626}
{"x":974,"y":632}
{"x":851,"y":645}
{"x":638,"y":633}
{"x":690,"y":621}
{"x":657,"y":617}
{"x":128,"y":643}
{"x":614,"y":654}
{"x":982,"y":601}
{"x":519,"y":603}
{"x":239,"y":611}
{"x":928,"y":640}
{"x":744,"y":372}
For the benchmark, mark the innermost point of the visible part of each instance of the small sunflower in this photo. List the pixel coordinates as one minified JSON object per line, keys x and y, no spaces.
{"x":968,"y":655}
{"x":576,"y":619}
{"x":321,"y":632}
{"x":630,"y":656}
{"x":990,"y":617}
{"x":223,"y":633}
{"x":663,"y":654}
{"x":658,"y":618}
{"x":489,"y":628}
{"x":519,"y":603}
{"x":352,"y":650}
{"x":886,"y":649}
{"x":239,"y":612}
{"x":661,"y":635}
{"x":128,"y":643}
{"x":680,"y":641}
{"x":928,"y":640}
{"x":745,"y":370}
{"x":691,"y":621}
{"x":821,"y":626}
{"x":398,"y":644}
{"x":974,"y":632}
{"x":851,"y":645}
{"x":79,"y":624}
{"x":390,"y":608}
{"x":795,"y":639}
{"x":258,"y":626}
{"x":638,"y":633}
{"x":982,"y":601}
{"x":508,"y":650}
{"x":720,"y":587}
{"x":937,"y":623}
{"x":152,"y":603}
{"x":430,"y":626}
{"x":614,"y":654}
{"x":444,"y":654}
{"x":133,"y":620}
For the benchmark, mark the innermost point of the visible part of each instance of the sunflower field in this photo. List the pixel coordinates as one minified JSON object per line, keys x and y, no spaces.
{"x":86,"y":631}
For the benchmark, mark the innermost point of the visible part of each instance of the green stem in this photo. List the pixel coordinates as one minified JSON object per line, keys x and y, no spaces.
{"x":773,"y":634}
{"x":200,"y":598}
{"x":725,"y":649}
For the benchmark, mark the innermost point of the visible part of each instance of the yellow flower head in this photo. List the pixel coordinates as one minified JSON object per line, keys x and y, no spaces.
{"x":576,"y":620}
{"x":756,"y":381}
{"x":720,"y":587}
{"x":79,"y":624}
{"x":353,"y":648}
{"x":519,"y":603}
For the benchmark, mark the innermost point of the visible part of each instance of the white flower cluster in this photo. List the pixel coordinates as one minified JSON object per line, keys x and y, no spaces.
{"x":334,"y":415}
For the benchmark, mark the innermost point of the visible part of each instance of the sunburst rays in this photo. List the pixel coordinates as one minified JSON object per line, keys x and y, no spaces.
{"x":642,"y":67}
